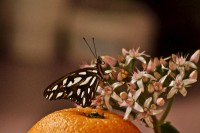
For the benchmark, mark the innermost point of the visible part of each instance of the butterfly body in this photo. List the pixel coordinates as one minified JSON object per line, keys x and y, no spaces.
{"x":79,"y":86}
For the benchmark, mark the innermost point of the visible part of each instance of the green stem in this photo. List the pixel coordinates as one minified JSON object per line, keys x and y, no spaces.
{"x":158,"y":123}
{"x":167,"y":110}
{"x":156,"y":128}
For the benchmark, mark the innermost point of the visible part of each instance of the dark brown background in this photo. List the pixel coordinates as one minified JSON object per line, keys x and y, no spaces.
{"x":42,"y":40}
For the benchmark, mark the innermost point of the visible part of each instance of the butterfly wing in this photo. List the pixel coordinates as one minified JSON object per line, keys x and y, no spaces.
{"x":79,"y":86}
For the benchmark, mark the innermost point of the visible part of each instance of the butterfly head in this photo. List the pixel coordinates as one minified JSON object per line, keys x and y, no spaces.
{"x":100,"y":60}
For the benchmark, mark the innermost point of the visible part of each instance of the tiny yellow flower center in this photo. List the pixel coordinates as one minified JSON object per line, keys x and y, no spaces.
{"x":124,"y":73}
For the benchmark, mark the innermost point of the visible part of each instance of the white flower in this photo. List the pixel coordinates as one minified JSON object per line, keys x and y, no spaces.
{"x":182,"y":63}
{"x":131,"y":103}
{"x":157,"y":87}
{"x":148,"y":112}
{"x":134,"y":54}
{"x":179,"y":85}
{"x":108,"y":91}
{"x":137,"y":78}
{"x":158,"y":90}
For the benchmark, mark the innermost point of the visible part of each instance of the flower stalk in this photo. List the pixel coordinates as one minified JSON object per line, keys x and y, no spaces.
{"x":166,"y":112}
{"x":156,"y":127}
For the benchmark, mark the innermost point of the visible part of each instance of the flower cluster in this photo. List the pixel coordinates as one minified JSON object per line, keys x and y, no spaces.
{"x":141,"y":91}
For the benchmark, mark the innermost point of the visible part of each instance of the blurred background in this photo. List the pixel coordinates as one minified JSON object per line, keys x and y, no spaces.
{"x":41,"y":41}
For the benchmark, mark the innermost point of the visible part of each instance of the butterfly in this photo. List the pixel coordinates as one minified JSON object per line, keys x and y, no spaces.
{"x":79,"y":86}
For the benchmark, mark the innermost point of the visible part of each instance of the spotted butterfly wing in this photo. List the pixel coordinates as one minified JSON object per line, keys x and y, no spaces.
{"x":79,"y":86}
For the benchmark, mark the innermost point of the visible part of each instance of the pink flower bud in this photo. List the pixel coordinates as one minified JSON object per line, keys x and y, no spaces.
{"x":174,"y":57}
{"x":144,"y":66}
{"x":156,"y":62}
{"x":172,"y":65}
{"x":153,"y":106}
{"x":124,"y":52}
{"x":119,"y":77}
{"x":160,"y":101}
{"x":162,"y":61}
{"x":150,"y":66}
{"x":193,"y":75}
{"x":187,"y":66}
{"x":157,"y":75}
{"x":195,"y":57}
{"x":150,"y":88}
{"x":131,"y":87}
{"x":109,"y":60}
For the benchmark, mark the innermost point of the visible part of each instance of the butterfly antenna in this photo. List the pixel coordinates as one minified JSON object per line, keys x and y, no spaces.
{"x":94,"y":47}
{"x":89,"y":47}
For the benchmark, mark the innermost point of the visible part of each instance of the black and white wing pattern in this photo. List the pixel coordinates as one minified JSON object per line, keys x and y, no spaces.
{"x":79,"y":86}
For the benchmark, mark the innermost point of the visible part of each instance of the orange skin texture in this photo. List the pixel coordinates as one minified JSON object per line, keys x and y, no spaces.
{"x":76,"y":120}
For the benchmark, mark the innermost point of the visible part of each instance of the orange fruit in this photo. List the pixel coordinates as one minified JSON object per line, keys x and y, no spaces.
{"x":83,"y":120}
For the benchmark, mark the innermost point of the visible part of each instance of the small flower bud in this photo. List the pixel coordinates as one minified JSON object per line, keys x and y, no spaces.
{"x":153,"y":106}
{"x":194,"y":74}
{"x":195,"y":57}
{"x":144,"y":66}
{"x":174,"y":57}
{"x":123,"y":95}
{"x":156,"y":62}
{"x":187,"y":66}
{"x":160,"y":101}
{"x":109,"y":60}
{"x":172,"y":65}
{"x":131,"y":87}
{"x":124,"y":52}
{"x":150,"y":66}
{"x":162,"y":61}
{"x":119,"y":76}
{"x":157,"y":75}
{"x":150,"y":88}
